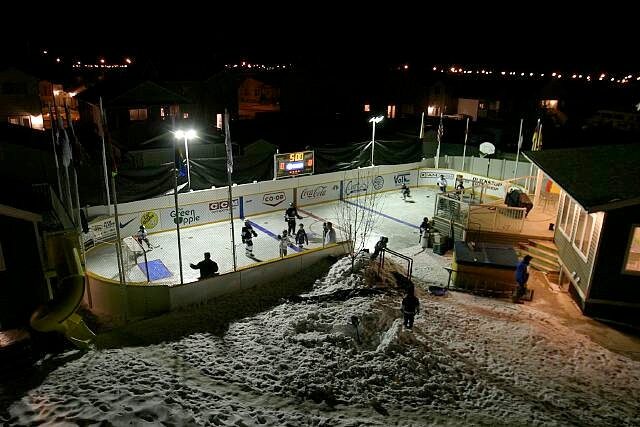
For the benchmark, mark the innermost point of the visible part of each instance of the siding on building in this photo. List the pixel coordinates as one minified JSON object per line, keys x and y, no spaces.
{"x":570,"y":257}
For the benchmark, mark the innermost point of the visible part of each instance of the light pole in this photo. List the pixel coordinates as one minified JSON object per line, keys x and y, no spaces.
{"x":374,"y":121}
{"x":187,"y":135}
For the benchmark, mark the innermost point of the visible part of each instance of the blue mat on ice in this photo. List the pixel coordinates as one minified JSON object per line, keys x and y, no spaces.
{"x":157,"y":270}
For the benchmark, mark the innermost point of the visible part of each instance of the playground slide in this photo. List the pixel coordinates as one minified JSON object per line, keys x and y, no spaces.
{"x":59,"y":315}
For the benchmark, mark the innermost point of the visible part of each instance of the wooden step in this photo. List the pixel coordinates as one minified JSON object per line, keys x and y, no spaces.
{"x":542,"y":267}
{"x":548,"y":245}
{"x":540,"y":254}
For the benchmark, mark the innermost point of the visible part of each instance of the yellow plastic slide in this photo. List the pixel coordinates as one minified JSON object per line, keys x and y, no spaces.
{"x":59,"y":314}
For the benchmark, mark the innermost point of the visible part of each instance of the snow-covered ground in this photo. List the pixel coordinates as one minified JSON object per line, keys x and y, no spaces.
{"x":468,"y":361}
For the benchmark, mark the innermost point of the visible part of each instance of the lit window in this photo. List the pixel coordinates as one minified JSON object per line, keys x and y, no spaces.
{"x":566,"y":215}
{"x":391,"y":111}
{"x":219,"y":120}
{"x":551,"y":104}
{"x":632,"y":262}
{"x":367,"y":107}
{"x":584,"y":231}
{"x":163,"y":114}
{"x":185,"y":115}
{"x":136,"y":114}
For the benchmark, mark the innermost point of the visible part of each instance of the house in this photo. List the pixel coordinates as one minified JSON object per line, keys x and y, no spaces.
{"x":26,"y":100}
{"x":137,"y":113}
{"x":597,"y":228}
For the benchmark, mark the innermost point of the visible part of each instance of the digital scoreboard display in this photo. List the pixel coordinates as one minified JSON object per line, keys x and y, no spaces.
{"x":293,"y":164}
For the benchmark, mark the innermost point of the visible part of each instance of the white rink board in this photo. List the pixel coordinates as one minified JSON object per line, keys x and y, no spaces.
{"x":254,"y":204}
{"x":494,"y":187}
{"x":393,"y":181}
{"x":198,"y":213}
{"x":318,"y":193}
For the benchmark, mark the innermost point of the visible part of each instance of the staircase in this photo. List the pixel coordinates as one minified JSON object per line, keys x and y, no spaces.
{"x":545,"y":257}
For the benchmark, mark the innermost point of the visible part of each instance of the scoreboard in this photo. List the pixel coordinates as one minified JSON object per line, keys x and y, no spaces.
{"x":293,"y":164}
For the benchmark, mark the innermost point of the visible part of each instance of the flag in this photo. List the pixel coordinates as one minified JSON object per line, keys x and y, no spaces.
{"x":227,"y":142}
{"x":440,"y":130}
{"x":520,"y":137}
{"x":66,"y":145}
{"x":537,"y":138}
{"x":76,"y":151}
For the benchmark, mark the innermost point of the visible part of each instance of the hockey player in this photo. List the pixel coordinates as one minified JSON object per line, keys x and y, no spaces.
{"x":405,"y":191}
{"x":141,"y":236}
{"x":284,"y":243}
{"x":442,"y":183}
{"x":301,"y":237}
{"x":247,"y":234}
{"x":290,"y":216}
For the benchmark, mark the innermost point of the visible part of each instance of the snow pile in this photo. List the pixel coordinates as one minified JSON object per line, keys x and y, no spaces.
{"x":340,"y":275}
{"x":468,"y":361}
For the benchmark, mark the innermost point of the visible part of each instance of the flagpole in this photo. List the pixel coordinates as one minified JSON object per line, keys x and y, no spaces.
{"x":75,"y":177}
{"x":515,"y":170}
{"x":104,"y":163}
{"x":123,"y":281}
{"x":437,"y":162}
{"x":74,"y":174}
{"x":422,"y":126}
{"x":227,"y":143}
{"x":464,"y":150}
{"x":55,"y":153}
{"x":65,"y":160}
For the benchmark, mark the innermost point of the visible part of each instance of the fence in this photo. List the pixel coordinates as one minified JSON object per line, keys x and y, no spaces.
{"x":182,"y":228}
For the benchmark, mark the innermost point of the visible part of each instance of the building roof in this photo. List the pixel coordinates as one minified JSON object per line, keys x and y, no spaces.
{"x":148,"y":93}
{"x":599,"y":178}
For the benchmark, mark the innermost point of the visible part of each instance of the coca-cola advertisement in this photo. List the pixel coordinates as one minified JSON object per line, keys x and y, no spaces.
{"x":319,"y":193}
{"x":313,"y":193}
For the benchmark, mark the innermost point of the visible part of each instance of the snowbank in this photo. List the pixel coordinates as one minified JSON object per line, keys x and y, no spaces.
{"x":468,"y":361}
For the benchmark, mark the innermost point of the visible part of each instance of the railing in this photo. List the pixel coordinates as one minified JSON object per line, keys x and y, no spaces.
{"x":497,"y":218}
{"x":399,"y":255}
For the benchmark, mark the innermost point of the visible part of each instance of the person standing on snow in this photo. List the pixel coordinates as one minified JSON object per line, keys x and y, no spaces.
{"x":522,"y":276}
{"x":410,"y":307}
{"x":247,"y":234}
{"x":290,"y":216}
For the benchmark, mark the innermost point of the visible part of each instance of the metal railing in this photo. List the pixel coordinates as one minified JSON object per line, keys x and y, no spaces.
{"x":399,"y":255}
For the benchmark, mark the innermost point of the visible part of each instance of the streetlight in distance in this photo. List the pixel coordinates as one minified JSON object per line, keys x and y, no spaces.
{"x":374,"y":121}
{"x":186,"y":135}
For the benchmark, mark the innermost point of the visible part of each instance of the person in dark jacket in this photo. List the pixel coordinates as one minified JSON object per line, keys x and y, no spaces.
{"x":380,"y":245}
{"x":301,"y":237}
{"x":290,"y":216}
{"x":410,"y":307}
{"x":208,"y":267}
{"x":247,"y":234}
{"x":522,"y":275}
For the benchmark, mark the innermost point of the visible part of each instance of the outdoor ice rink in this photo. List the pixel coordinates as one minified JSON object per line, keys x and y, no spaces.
{"x":396,"y":219}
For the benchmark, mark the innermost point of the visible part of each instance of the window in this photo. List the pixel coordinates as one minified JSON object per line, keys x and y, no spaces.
{"x":367,"y":107}
{"x":584,"y":231}
{"x":185,"y":115}
{"x":566,"y":215}
{"x":219,"y":121}
{"x":632,"y":261}
{"x":391,"y":111}
{"x":136,"y":114}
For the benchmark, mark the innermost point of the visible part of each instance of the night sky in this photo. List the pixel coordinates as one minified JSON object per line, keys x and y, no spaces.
{"x":540,"y":35}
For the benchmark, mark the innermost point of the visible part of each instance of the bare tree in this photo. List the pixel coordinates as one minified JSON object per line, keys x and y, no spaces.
{"x":356,"y":214}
